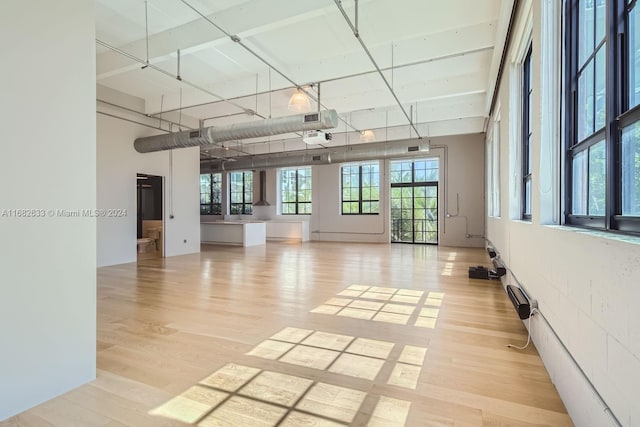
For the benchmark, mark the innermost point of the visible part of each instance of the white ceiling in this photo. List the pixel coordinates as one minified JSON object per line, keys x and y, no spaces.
{"x":441,"y":58}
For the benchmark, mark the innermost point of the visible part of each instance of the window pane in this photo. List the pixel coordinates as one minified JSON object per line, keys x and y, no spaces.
{"x":205,"y":182}
{"x":579,"y":203}
{"x":634,"y":57}
{"x":586,"y":24}
{"x":600,"y":19}
{"x":631,"y":170}
{"x":585,"y":102}
{"x":366,"y":194}
{"x":527,"y":197}
{"x":375,"y":193}
{"x":529,"y":154}
{"x":597,"y":179}
{"x":361,"y":185}
{"x":600,"y":95}
{"x":375,"y":180}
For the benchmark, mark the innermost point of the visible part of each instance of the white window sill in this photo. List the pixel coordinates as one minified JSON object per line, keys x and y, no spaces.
{"x":597,"y":233}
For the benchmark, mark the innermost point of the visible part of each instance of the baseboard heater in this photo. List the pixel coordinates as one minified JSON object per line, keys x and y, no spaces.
{"x":481,"y":272}
{"x":520,"y":301}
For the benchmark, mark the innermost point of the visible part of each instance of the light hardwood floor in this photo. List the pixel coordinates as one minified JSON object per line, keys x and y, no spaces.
{"x":313,"y":334}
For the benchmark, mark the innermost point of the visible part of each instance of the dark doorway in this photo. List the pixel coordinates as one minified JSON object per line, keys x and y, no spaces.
{"x":150,"y":227}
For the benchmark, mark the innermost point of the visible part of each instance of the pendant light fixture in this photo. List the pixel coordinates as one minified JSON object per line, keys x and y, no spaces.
{"x":367,"y":135}
{"x":299,"y":102}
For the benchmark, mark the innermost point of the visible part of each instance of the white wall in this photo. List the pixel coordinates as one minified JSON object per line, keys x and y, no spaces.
{"x":461,"y":174}
{"x":463,"y":179}
{"x":586,"y":283}
{"x":118,"y":164}
{"x":47,"y":139}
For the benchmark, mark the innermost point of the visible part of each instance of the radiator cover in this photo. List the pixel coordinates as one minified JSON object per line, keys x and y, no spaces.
{"x":520,"y":301}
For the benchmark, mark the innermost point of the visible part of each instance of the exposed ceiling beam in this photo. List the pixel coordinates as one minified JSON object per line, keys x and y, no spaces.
{"x":446,"y":56}
{"x":197,"y":34}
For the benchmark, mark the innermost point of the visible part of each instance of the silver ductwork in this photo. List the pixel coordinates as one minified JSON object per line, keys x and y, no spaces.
{"x":342,"y":154}
{"x":327,"y":119}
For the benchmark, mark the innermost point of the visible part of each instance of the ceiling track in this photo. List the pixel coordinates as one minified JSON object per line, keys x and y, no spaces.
{"x":145,"y":64}
{"x":236,"y":39}
{"x":356,"y":33}
{"x":132,"y":121}
{"x":335,"y":79}
{"x":111,"y":104}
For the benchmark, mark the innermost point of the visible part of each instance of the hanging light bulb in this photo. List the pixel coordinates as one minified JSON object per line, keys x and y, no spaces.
{"x":299,"y":102}
{"x":367,"y":135}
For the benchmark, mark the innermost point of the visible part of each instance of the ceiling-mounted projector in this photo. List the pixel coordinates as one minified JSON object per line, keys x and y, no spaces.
{"x":316,"y":137}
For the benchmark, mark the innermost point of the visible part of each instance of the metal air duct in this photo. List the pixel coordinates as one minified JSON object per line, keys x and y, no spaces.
{"x":327,"y":119}
{"x":342,"y":154}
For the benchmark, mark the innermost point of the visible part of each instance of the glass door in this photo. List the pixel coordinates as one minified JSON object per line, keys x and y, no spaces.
{"x":414,"y":201}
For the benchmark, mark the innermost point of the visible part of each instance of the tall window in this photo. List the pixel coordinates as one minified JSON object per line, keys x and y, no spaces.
{"x":361,"y":189}
{"x":603,"y":97}
{"x":493,"y":169}
{"x":241,"y":193}
{"x":211,"y":194}
{"x":630,"y":122}
{"x":295,"y":187}
{"x":414,"y":200}
{"x":526,"y":136}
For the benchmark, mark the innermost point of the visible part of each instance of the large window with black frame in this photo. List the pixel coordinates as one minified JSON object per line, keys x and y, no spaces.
{"x":526,"y":136}
{"x":361,"y":188}
{"x":603,"y":111}
{"x":211,"y":194}
{"x":414,"y":200}
{"x":241,"y":193}
{"x":295,"y":187}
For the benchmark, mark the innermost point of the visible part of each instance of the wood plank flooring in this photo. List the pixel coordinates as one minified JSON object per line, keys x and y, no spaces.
{"x":313,"y":334}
